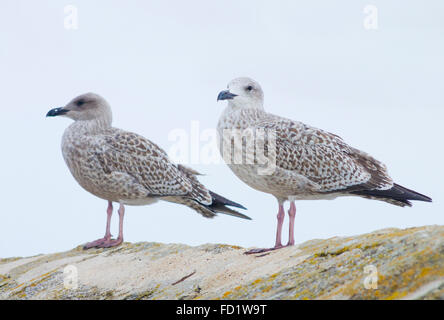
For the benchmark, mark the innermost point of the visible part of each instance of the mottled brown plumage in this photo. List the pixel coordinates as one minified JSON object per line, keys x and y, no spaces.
{"x":309,"y":163}
{"x":124,"y":167}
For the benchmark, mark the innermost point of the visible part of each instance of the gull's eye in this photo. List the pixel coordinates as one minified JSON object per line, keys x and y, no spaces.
{"x":249,"y":88}
{"x":80,"y":102}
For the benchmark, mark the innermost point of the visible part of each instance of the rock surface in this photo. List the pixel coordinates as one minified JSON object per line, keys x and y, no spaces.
{"x":385,"y":264}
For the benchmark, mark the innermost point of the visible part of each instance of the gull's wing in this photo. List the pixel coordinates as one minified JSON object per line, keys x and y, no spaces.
{"x":149,"y":166}
{"x":324,"y":158}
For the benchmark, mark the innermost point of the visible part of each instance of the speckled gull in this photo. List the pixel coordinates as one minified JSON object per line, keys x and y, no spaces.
{"x":309,"y":163}
{"x":123,"y":167}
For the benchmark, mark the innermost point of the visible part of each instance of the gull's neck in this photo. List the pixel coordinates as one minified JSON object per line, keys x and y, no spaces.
{"x":235,"y":115}
{"x":233,"y":106}
{"x":93,"y":126}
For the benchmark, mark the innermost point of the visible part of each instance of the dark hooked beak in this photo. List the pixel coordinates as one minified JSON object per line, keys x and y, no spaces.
{"x":56,"y":112}
{"x":226,"y":95}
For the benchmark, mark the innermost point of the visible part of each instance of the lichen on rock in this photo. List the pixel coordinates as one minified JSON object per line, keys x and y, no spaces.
{"x":385,"y":264}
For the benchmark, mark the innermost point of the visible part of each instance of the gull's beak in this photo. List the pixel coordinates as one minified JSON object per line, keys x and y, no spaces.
{"x":56,"y":112}
{"x":226,"y":95}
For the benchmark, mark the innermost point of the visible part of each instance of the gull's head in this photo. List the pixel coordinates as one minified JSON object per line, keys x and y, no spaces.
{"x":243,"y":93}
{"x":88,"y":106}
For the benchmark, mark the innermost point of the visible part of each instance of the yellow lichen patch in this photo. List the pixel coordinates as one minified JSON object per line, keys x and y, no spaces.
{"x":6,"y":260}
{"x":228,"y":246}
{"x":233,"y":247}
{"x":304,"y":295}
{"x":226,"y":294}
{"x":371,"y":245}
{"x":425,"y":272}
{"x":21,"y":284}
{"x":145,"y":295}
{"x":396,"y":295}
{"x":326,"y":253}
{"x":349,"y":289}
{"x":266,"y":289}
{"x":32,"y":283}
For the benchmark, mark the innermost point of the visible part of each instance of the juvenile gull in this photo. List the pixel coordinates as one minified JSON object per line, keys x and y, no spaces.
{"x":123,"y":167}
{"x":309,"y":163}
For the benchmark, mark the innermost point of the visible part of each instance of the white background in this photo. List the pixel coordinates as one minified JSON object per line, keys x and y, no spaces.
{"x":161,"y":64}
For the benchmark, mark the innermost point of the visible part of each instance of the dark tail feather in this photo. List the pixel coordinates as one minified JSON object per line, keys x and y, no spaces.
{"x":220,"y":205}
{"x":397,"y":193}
{"x":219,"y":199}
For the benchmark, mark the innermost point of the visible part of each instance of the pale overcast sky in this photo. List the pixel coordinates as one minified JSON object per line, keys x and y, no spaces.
{"x":161,"y":64}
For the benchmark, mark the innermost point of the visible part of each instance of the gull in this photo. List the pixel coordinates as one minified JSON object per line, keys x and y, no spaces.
{"x":126,"y":168}
{"x":308,"y":163}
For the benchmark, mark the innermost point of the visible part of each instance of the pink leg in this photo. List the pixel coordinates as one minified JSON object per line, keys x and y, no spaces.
{"x":280,"y":221}
{"x":107,"y":237}
{"x":278,"y":244}
{"x":115,"y":242}
{"x":106,"y":241}
{"x":291,"y":215}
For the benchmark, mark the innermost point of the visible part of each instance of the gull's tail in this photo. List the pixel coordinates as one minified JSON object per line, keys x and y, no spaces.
{"x":397,"y":195}
{"x":220,"y":205}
